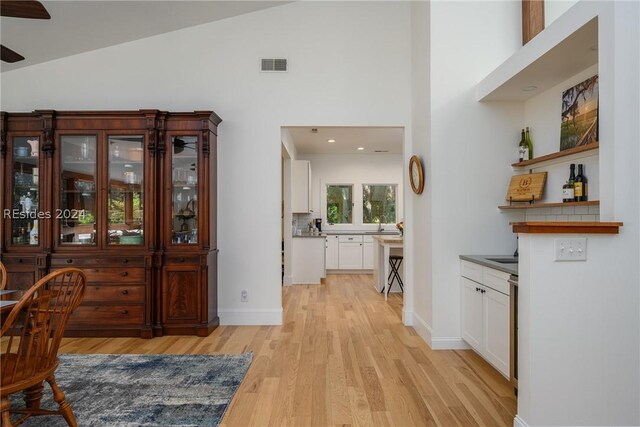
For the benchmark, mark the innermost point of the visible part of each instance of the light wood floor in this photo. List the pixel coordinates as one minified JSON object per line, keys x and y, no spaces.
{"x":342,"y":357}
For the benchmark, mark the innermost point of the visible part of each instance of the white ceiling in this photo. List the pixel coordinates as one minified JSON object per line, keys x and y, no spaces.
{"x":82,"y":26}
{"x":348,"y":139}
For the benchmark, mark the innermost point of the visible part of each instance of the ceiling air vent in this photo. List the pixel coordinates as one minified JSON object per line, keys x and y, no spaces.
{"x":273,"y":64}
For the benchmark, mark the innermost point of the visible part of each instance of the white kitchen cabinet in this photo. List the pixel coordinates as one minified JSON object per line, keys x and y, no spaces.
{"x":331,"y":252}
{"x":350,"y":256}
{"x":307,"y":260}
{"x":367,"y":256}
{"x":485,"y":313}
{"x":301,"y":186}
{"x":496,"y":321}
{"x":472,"y":314}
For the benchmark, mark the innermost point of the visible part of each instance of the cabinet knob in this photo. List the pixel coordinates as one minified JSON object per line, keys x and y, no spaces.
{"x":181,"y":259}
{"x":124,"y":273}
{"x":124,"y":261}
{"x":124,"y":292}
{"x":124,"y":312}
{"x":69,"y":261}
{"x":477,"y":289}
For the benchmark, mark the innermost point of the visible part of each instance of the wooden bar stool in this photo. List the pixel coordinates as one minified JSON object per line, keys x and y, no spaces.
{"x":395,"y":261}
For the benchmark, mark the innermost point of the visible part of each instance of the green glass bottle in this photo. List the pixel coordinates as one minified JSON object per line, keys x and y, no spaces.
{"x":529,"y":143}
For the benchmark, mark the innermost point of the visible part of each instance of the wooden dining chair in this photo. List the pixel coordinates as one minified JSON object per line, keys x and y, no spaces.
{"x":32,"y":332}
{"x":3,"y":276}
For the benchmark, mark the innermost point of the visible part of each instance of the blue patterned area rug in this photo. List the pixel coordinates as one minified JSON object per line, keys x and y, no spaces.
{"x":144,"y":390}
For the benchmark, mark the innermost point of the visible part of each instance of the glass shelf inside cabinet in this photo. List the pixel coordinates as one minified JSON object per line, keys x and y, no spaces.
{"x":184,"y":192}
{"x":76,"y":214}
{"x":24,"y":213}
{"x":126,"y":190}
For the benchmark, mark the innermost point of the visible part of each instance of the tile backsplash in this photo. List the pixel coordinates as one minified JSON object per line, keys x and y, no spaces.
{"x":565,"y":213}
{"x":301,"y":220}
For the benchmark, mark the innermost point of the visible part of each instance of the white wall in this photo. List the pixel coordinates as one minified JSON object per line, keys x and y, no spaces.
{"x":356,"y":169}
{"x":289,"y":153}
{"x":554,"y":8}
{"x":418,"y":299}
{"x":349,"y":65}
{"x":470,"y":153}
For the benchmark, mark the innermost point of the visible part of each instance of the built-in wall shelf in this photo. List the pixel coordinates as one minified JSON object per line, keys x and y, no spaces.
{"x":567,"y":227}
{"x":549,"y":205}
{"x":566,"y":47}
{"x":560,"y":156}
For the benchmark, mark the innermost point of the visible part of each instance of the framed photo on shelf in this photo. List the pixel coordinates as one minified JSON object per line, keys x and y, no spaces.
{"x":580,"y":114}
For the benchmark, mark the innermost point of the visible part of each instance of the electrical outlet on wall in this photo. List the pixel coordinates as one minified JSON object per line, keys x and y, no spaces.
{"x":571,"y":249}
{"x":244,"y":295}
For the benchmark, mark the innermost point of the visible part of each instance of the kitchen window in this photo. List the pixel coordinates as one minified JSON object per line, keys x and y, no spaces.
{"x":339,"y":204}
{"x":379,"y":203}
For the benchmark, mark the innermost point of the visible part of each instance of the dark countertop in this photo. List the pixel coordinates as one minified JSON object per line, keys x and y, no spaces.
{"x":306,"y":234}
{"x":482,"y":260}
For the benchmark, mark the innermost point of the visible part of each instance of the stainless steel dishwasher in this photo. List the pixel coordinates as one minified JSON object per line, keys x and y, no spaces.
{"x":513,"y":333}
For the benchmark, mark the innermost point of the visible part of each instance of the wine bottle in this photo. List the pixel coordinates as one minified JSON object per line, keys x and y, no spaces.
{"x":580,"y":186}
{"x":529,"y":144}
{"x":568,"y":192}
{"x":523,"y":148}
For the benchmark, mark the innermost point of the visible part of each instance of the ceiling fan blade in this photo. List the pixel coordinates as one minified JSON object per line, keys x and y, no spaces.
{"x":7,"y":55}
{"x":30,"y":9}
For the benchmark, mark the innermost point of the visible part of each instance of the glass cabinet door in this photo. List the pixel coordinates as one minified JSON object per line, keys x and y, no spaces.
{"x":184,"y":192}
{"x":77,"y":213}
{"x":125,"y":201}
{"x":26,"y":194}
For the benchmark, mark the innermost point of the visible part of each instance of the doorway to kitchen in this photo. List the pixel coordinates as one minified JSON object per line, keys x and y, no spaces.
{"x":343,"y":205}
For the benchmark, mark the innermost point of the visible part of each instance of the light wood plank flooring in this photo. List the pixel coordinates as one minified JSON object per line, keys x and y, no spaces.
{"x":341,"y":358}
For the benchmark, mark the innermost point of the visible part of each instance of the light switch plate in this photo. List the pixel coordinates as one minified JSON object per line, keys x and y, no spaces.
{"x":571,"y":249}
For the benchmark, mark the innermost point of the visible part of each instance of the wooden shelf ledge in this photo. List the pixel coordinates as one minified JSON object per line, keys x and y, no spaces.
{"x":548,"y":205}
{"x":566,"y":227}
{"x":557,"y":155}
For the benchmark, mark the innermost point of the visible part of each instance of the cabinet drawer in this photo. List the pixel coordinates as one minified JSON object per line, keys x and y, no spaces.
{"x":115,"y":294}
{"x":19,"y":260}
{"x":495,"y":279}
{"x":182,"y":259}
{"x":107,"y":315}
{"x":72,"y":261}
{"x":114,"y":275}
{"x":350,"y":239}
{"x":471,"y":271}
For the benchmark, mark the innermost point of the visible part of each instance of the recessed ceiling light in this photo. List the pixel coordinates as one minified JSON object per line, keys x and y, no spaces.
{"x":529,"y":88}
{"x":331,"y":140}
{"x":360,"y":148}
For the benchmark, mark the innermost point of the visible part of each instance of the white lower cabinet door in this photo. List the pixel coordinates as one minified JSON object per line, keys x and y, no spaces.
{"x":367,"y":256}
{"x":350,"y":256}
{"x":331,"y":252}
{"x":472,"y":330}
{"x":496,"y":320}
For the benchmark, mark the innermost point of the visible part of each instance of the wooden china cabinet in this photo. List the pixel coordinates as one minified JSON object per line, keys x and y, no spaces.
{"x":129,"y":197}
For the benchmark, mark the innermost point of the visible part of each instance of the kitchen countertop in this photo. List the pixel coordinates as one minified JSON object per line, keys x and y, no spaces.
{"x":483,"y":260}
{"x":306,"y":234}
{"x":364,"y":233}
{"x":388,"y":239}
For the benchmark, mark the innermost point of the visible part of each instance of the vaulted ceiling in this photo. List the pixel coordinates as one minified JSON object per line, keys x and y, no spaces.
{"x":82,"y":26}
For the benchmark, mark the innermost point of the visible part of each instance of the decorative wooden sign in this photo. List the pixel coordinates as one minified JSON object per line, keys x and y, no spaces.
{"x":526,"y":187}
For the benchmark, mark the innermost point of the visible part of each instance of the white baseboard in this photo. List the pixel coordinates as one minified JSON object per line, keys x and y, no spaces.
{"x":449,"y":343}
{"x":349,"y":271}
{"x":519,"y":422}
{"x":287,"y":280}
{"x":407,"y":318}
{"x":248,"y":317}
{"x":422,"y":328}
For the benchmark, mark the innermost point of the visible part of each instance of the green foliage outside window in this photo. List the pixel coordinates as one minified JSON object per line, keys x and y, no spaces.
{"x":339,"y":204}
{"x":378,"y":204}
